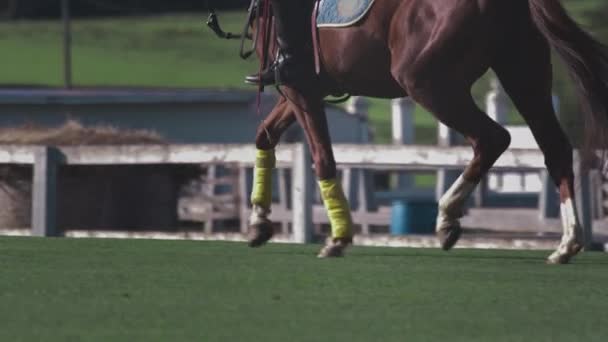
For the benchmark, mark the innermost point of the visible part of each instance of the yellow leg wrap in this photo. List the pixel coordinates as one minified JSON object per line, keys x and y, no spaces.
{"x":261,"y":193}
{"x":337,"y":207}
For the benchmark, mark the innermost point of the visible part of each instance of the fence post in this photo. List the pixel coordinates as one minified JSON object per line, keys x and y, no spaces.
{"x":44,"y":191}
{"x":301,"y":192}
{"x":359,"y":190}
{"x":243,"y":200}
{"x":597,"y":201}
{"x":548,"y":200}
{"x":582,"y":197}
{"x":67,"y":43}
{"x":209,"y":191}
{"x":403,"y":133}
{"x":497,"y":102}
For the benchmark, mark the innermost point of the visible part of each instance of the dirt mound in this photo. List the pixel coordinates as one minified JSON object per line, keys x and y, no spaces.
{"x":73,"y":133}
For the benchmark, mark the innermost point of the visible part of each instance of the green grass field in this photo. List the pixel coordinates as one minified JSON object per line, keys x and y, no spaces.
{"x":127,"y":290}
{"x":173,"y":50}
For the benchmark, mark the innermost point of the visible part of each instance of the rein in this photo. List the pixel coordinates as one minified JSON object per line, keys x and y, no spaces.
{"x":267,"y":29}
{"x":214,"y":24}
{"x":315,"y":37}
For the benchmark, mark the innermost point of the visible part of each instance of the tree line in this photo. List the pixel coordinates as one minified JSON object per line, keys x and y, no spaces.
{"x":19,"y":9}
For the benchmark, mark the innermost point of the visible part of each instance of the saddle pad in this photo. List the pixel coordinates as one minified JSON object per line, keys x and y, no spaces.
{"x":342,"y":13}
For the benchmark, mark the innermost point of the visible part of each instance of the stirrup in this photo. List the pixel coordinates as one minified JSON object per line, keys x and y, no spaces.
{"x":268,"y":76}
{"x":265,"y":78}
{"x":286,"y":70}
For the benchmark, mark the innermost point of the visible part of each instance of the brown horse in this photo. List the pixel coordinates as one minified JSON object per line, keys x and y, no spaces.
{"x":433,"y":51}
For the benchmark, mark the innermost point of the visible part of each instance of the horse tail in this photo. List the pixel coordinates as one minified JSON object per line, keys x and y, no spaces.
{"x":587,"y":62}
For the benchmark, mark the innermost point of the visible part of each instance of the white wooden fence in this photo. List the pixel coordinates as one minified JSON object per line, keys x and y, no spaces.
{"x":46,"y":160}
{"x":512,"y":185}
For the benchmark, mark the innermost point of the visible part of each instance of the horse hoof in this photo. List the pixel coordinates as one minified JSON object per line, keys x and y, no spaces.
{"x":564,"y":258}
{"x":334,"y":248}
{"x":449,"y":236}
{"x":561,"y":259}
{"x":260,"y":234}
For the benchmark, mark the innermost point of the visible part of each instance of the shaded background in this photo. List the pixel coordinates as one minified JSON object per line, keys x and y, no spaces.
{"x":50,"y":8}
{"x":158,"y":43}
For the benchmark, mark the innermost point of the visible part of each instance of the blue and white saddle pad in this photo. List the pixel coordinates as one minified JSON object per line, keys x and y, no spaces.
{"x":342,"y":13}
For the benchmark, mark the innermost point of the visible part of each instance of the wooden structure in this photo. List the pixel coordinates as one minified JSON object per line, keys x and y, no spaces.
{"x":180,"y":116}
{"x":302,"y":212}
{"x":96,"y":197}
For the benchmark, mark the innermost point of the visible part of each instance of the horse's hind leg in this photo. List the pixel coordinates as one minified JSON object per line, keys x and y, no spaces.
{"x":454,"y":106}
{"x":260,"y":227}
{"x":437,"y":70}
{"x":527,"y":80}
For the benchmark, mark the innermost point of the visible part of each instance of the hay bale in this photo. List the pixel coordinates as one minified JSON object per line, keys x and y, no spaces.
{"x":73,"y":133}
{"x":124,"y":197}
{"x":15,"y":196}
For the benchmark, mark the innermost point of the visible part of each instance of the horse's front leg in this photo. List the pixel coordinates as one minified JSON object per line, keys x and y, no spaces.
{"x":269,"y":132}
{"x":310,"y":113}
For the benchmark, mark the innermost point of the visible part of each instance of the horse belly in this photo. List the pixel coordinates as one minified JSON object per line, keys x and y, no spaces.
{"x":358,"y":62}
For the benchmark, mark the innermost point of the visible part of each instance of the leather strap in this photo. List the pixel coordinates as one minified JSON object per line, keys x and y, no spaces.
{"x":315,"y":37}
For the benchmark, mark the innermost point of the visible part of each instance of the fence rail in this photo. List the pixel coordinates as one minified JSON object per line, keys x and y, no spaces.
{"x":402,"y":157}
{"x":45,"y":161}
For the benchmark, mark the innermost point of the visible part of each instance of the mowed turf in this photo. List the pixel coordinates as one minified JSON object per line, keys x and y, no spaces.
{"x":108,"y":290}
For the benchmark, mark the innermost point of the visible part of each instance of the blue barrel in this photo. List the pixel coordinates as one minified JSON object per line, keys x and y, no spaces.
{"x":413,"y":217}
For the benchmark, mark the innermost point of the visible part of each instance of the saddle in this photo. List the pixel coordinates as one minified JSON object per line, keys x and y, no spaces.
{"x":341,"y":13}
{"x":335,"y":14}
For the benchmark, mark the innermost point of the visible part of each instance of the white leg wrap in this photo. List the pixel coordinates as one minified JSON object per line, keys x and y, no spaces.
{"x":451,"y":204}
{"x":570,"y":222}
{"x":571,"y":231}
{"x":259,"y":215}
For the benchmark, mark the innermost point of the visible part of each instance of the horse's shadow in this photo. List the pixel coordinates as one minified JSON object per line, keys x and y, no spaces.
{"x":406,"y":253}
